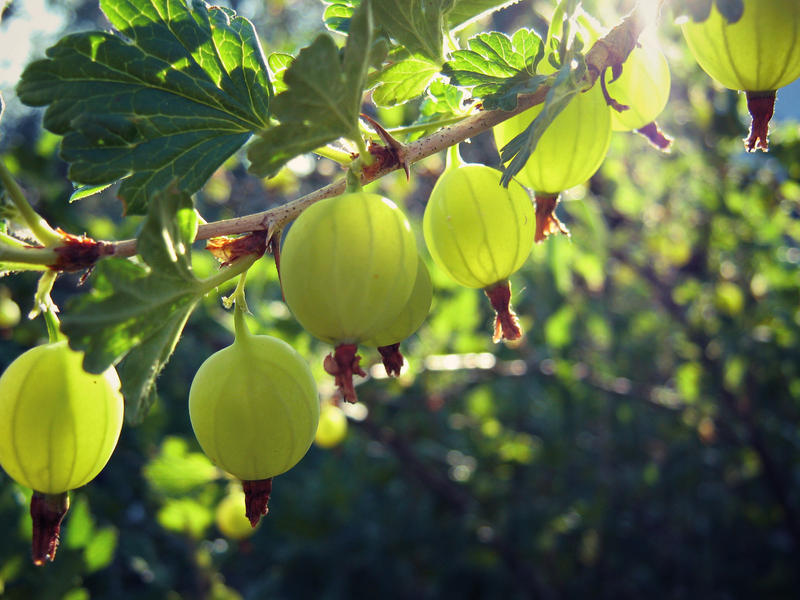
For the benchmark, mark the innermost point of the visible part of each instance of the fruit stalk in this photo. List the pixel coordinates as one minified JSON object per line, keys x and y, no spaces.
{"x":506,"y":326}
{"x":547,"y":222}
{"x":47,"y":512}
{"x":343,"y":364}
{"x":761,"y":106}
{"x":256,"y":498}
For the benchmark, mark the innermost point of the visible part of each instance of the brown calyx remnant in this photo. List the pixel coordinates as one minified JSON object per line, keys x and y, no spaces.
{"x":655,"y":136}
{"x":547,"y":222}
{"x":78,"y":252}
{"x":47,"y":512}
{"x":392,"y":359}
{"x":256,"y":499}
{"x":761,"y":106}
{"x":343,"y":364}
{"x":506,"y":326}
{"x":227,"y":249}
{"x":392,"y":155}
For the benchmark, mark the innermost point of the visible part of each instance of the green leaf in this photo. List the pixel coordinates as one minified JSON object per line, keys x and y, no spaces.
{"x":498,"y":68}
{"x":176,"y":471}
{"x":99,"y":552}
{"x":338,"y":14}
{"x":464,"y":12}
{"x":418,"y":25}
{"x":322,"y":101}
{"x":167,"y":99}
{"x":403,"y":80}
{"x":278,"y":63}
{"x":85,"y":191}
{"x":137,"y":312}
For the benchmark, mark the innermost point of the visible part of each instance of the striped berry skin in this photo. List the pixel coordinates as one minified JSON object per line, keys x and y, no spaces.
{"x":477,"y":231}
{"x":758,"y":53}
{"x":570,"y":150}
{"x":348,"y":265}
{"x":58,"y":424}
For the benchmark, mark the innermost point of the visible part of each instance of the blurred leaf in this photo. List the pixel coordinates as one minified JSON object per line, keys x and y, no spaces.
{"x":186,"y":516}
{"x":322,"y":101}
{"x":558,"y":328}
{"x":165,"y":101}
{"x":99,"y":552}
{"x":176,"y":470}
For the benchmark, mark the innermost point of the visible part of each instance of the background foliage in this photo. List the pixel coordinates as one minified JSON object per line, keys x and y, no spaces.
{"x":643,"y":440}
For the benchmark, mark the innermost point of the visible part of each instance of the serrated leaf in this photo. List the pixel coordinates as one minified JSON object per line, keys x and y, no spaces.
{"x":464,"y":12}
{"x":322,"y":101}
{"x":163,"y":102}
{"x":137,"y":312}
{"x":403,"y":80}
{"x":498,"y":68}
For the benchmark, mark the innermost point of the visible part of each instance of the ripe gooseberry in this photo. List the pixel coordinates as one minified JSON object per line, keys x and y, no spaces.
{"x":348,"y":265}
{"x":642,"y":87}
{"x":406,"y":322}
{"x":758,"y":54}
{"x":254,"y":410}
{"x":332,"y":426}
{"x":569,"y":152}
{"x":479,"y":233}
{"x":58,"y":428}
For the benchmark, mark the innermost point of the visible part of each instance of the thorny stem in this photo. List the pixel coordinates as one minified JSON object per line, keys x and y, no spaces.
{"x":26,"y":255}
{"x":46,"y":235}
{"x":606,"y":52}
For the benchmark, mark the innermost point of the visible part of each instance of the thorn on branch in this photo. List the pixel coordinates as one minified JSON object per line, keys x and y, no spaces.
{"x":391,"y":155}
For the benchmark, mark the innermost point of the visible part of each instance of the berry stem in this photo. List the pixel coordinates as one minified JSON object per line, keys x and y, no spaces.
{"x":47,"y":512}
{"x":256,"y":499}
{"x":392,"y":359}
{"x":343,"y":364}
{"x":547,"y":222}
{"x":506,"y":326}
{"x":655,"y":136}
{"x":761,"y":106}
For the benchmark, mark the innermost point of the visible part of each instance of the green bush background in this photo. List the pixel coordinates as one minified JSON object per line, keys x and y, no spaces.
{"x":642,"y":441}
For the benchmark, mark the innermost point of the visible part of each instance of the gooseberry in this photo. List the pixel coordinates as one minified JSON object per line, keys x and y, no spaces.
{"x":406,"y":322}
{"x":569,"y":152}
{"x":643,"y":89}
{"x":9,"y":312}
{"x":332,"y":426}
{"x":479,"y":233}
{"x":348,"y":265}
{"x":758,"y":54}
{"x":254,"y":410}
{"x":58,"y":428}
{"x":230,"y":518}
